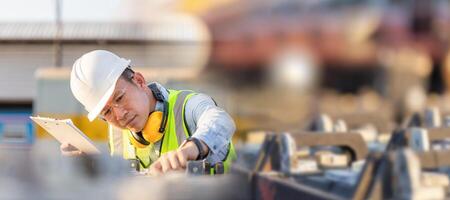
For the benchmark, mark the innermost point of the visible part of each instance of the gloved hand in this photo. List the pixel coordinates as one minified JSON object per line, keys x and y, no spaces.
{"x":69,"y":150}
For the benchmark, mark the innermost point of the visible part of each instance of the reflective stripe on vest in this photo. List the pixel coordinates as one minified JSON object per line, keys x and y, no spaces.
{"x":180,"y":128}
{"x":175,"y":131}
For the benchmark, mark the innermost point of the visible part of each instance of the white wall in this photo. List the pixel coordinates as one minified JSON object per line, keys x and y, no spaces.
{"x":18,"y":62}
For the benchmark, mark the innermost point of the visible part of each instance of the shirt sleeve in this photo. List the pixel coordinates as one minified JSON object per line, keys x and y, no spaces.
{"x":211,"y":124}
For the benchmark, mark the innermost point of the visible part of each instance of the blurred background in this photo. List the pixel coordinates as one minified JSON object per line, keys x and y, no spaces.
{"x":272,"y":64}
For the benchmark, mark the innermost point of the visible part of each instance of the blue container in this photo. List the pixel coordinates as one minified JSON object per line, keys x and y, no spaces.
{"x":16,"y":128}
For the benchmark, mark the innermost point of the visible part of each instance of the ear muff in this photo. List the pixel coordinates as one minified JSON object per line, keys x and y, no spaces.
{"x":152,"y":130}
{"x":137,"y":140}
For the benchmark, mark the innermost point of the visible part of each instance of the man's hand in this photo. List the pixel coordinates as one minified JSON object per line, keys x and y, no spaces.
{"x":175,"y":160}
{"x":69,"y":150}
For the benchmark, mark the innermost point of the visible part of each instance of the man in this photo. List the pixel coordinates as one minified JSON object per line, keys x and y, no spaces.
{"x":164,"y":128}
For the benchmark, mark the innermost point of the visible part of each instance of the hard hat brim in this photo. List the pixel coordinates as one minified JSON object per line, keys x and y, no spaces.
{"x":101,"y":104}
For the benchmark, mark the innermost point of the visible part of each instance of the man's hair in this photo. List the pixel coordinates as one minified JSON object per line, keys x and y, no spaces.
{"x":127,"y":74}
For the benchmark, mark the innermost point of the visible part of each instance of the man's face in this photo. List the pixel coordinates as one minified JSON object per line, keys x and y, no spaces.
{"x":129,"y":105}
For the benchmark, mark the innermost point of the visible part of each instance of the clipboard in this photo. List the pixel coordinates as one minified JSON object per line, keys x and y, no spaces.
{"x":66,"y":132}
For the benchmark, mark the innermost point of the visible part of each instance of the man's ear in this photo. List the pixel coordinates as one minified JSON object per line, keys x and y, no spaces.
{"x":139,"y":79}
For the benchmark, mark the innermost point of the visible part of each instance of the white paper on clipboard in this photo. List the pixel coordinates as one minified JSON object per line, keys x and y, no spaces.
{"x":66,"y":132}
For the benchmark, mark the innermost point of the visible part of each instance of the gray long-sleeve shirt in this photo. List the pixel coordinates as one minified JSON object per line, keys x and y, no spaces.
{"x":206,"y":122}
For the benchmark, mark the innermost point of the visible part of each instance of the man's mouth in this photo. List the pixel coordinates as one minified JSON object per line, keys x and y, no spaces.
{"x":129,"y":121}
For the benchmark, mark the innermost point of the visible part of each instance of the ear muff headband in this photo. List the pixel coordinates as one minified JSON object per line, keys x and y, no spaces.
{"x":156,"y":92}
{"x":159,"y":97}
{"x":162,"y":128}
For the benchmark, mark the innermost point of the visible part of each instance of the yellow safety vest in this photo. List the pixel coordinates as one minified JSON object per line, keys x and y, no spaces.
{"x":176,"y":132}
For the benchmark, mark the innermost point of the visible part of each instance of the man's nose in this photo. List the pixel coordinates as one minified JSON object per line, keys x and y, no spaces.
{"x":120,"y":114}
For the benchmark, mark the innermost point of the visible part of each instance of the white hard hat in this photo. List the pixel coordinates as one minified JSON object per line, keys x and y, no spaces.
{"x":93,"y":79}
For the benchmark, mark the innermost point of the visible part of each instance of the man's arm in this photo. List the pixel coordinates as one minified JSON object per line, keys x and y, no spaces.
{"x":211,"y":125}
